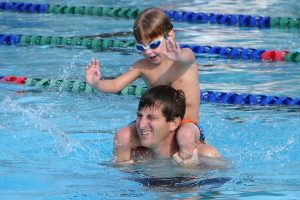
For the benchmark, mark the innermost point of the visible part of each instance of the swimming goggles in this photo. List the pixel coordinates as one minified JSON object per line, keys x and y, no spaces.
{"x":152,"y":45}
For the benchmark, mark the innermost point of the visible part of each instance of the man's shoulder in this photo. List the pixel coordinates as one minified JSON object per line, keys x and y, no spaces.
{"x":207,"y":150}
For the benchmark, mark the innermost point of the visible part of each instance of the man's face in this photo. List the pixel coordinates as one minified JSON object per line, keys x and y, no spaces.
{"x":152,"y":126}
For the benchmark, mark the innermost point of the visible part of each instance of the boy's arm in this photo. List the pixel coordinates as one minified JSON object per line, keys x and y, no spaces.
{"x":93,"y":76}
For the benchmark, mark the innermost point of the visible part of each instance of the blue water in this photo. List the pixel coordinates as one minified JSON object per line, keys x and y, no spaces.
{"x":58,"y":145}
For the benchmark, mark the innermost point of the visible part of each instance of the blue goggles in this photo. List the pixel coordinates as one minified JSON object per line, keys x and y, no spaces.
{"x":152,"y":45}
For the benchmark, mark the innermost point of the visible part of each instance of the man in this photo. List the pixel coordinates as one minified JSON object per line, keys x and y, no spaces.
{"x":160,"y":112}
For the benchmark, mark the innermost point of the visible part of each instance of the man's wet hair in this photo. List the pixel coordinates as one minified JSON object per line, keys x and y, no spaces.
{"x":170,"y":100}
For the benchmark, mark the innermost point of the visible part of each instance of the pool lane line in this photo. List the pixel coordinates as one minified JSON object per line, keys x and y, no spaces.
{"x":205,"y":95}
{"x":108,"y":43}
{"x":106,"y":35}
{"x":240,"y":20}
{"x":90,"y":43}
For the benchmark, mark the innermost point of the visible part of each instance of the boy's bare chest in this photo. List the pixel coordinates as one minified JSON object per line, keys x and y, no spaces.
{"x":163,"y":76}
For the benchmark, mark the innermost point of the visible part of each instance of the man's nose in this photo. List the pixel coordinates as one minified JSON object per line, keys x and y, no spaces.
{"x":143,"y":122}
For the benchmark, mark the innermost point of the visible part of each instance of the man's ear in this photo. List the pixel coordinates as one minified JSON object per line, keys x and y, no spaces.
{"x":173,"y":125}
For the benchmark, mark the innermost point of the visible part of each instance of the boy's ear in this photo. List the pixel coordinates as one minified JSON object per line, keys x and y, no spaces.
{"x":173,"y":125}
{"x":171,"y":34}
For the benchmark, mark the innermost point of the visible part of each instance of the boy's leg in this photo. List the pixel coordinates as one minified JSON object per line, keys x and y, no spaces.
{"x":124,"y":141}
{"x":187,"y":136}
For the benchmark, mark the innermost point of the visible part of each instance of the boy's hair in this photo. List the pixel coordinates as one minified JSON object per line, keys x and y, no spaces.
{"x":150,"y":24}
{"x":172,"y":101}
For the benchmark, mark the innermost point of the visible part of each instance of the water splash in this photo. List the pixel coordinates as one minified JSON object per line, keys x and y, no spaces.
{"x":63,"y":144}
{"x":68,"y":69}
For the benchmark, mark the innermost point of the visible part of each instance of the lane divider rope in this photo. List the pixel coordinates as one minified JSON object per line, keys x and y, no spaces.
{"x":184,"y":16}
{"x":103,"y":43}
{"x":205,"y":95}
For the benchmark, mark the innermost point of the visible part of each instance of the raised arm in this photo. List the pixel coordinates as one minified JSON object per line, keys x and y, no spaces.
{"x":93,"y":78}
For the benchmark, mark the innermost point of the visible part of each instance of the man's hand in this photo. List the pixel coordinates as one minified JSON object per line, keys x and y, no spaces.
{"x":128,"y":162}
{"x":190,"y":162}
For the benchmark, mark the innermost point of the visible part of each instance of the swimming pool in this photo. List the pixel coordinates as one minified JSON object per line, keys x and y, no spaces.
{"x":58,"y":144}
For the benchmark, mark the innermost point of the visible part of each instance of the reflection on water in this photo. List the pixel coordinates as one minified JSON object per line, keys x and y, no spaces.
{"x":181,"y":183}
{"x":165,"y":175}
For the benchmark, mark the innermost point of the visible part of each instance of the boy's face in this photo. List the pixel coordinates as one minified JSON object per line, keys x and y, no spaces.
{"x":152,"y":127}
{"x":153,"y":50}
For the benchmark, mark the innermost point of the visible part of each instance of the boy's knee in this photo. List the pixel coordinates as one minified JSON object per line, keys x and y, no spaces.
{"x":186,"y":136}
{"x":122,"y":137}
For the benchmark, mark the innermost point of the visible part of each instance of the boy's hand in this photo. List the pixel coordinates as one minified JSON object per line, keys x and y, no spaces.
{"x":191,"y":162}
{"x":173,"y":50}
{"x":92,"y":73}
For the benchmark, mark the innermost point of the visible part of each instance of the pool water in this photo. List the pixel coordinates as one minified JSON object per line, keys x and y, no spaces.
{"x":58,"y":144}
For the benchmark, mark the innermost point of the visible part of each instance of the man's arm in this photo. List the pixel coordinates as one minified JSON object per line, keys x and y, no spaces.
{"x":121,"y":155}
